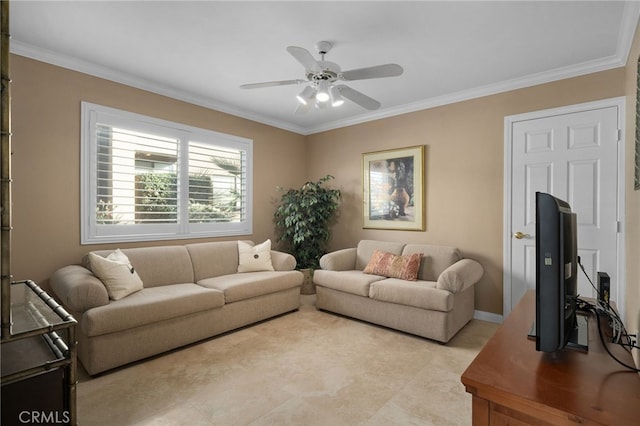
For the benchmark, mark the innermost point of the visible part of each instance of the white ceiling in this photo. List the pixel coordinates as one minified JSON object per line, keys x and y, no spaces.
{"x":201,"y":52}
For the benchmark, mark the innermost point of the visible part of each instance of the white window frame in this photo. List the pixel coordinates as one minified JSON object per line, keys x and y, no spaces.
{"x":94,"y":233}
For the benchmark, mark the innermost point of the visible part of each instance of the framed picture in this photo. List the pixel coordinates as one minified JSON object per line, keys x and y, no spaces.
{"x":393,"y":183}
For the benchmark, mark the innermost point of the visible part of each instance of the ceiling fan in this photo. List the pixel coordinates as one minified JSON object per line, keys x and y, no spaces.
{"x":323,"y":77}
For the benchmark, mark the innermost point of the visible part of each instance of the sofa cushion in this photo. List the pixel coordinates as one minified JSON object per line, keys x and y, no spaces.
{"x":150,"y":305}
{"x":116,"y":273}
{"x":160,"y":265}
{"x":390,"y":265}
{"x":365,"y":250}
{"x":420,"y":294}
{"x":435,"y":259}
{"x":254,"y":258}
{"x":213,"y":259}
{"x":354,"y":282}
{"x":253,"y":284}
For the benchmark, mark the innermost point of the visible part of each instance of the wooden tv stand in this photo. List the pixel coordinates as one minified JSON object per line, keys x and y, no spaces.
{"x":513,"y":384}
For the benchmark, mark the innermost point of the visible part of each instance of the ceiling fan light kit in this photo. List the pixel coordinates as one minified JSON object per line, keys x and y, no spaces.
{"x":322,"y":76}
{"x":306,"y":95}
{"x":323,"y":91}
{"x":336,"y":98}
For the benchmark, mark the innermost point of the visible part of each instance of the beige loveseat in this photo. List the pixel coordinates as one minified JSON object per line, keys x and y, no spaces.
{"x":436,"y":306}
{"x":190,"y":292}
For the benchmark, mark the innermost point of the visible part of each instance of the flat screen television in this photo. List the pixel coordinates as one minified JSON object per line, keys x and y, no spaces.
{"x":556,"y":323}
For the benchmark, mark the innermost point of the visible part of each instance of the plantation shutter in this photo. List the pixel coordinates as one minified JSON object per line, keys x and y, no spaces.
{"x":217,"y":181}
{"x":150,"y":179}
{"x":136,"y":177}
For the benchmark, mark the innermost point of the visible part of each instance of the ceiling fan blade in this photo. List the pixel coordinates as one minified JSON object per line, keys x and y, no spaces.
{"x":303,"y":56}
{"x":271,"y":83}
{"x":358,"y":97}
{"x":378,"y":71}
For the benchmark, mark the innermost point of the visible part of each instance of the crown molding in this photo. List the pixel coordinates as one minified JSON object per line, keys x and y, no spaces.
{"x":628,"y":25}
{"x":630,"y":17}
{"x":75,"y":64}
{"x":479,"y":92}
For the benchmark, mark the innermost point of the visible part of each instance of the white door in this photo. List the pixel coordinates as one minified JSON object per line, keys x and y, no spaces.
{"x":573,"y":154}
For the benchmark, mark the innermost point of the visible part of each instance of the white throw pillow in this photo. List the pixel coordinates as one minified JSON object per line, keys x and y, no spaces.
{"x":254,"y":258}
{"x":116,"y":273}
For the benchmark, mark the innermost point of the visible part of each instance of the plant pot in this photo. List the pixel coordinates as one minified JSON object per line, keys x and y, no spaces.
{"x":308,"y":287}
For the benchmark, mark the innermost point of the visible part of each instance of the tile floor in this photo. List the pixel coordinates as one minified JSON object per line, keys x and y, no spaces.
{"x":304,"y":368}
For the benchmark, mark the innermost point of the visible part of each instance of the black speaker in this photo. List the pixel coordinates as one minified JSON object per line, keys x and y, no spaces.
{"x":604,"y":287}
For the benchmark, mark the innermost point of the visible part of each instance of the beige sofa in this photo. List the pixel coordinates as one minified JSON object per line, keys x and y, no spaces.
{"x":190,"y":292}
{"x":436,"y":306}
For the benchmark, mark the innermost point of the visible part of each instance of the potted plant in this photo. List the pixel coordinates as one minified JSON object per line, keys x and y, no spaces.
{"x":302,"y":219}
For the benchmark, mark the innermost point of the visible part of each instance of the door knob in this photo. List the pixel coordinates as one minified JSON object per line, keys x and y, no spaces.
{"x":519,"y":235}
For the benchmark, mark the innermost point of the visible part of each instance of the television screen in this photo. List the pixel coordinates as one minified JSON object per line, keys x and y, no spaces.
{"x":556,"y":273}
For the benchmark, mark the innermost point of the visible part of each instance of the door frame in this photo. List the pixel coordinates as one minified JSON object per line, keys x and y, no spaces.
{"x":619,"y":103}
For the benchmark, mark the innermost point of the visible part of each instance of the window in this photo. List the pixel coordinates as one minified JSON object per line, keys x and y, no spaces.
{"x":150,"y":179}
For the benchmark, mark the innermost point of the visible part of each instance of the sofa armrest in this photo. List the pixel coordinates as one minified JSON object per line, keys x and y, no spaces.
{"x":78,"y":289}
{"x":462,"y":274}
{"x":282,"y":261}
{"x":340,"y":260}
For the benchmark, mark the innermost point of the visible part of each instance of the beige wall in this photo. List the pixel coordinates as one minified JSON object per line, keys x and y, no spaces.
{"x":46,"y":159}
{"x":464,"y":168}
{"x":463,"y":180}
{"x":632,"y":226}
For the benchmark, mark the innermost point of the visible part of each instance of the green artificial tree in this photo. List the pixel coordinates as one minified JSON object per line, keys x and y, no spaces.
{"x":303,"y":219}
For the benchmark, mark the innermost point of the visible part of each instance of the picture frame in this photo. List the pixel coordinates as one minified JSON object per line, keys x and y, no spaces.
{"x":393,"y":189}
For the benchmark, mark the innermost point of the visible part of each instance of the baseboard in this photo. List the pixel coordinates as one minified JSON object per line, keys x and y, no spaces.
{"x":487,"y":316}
